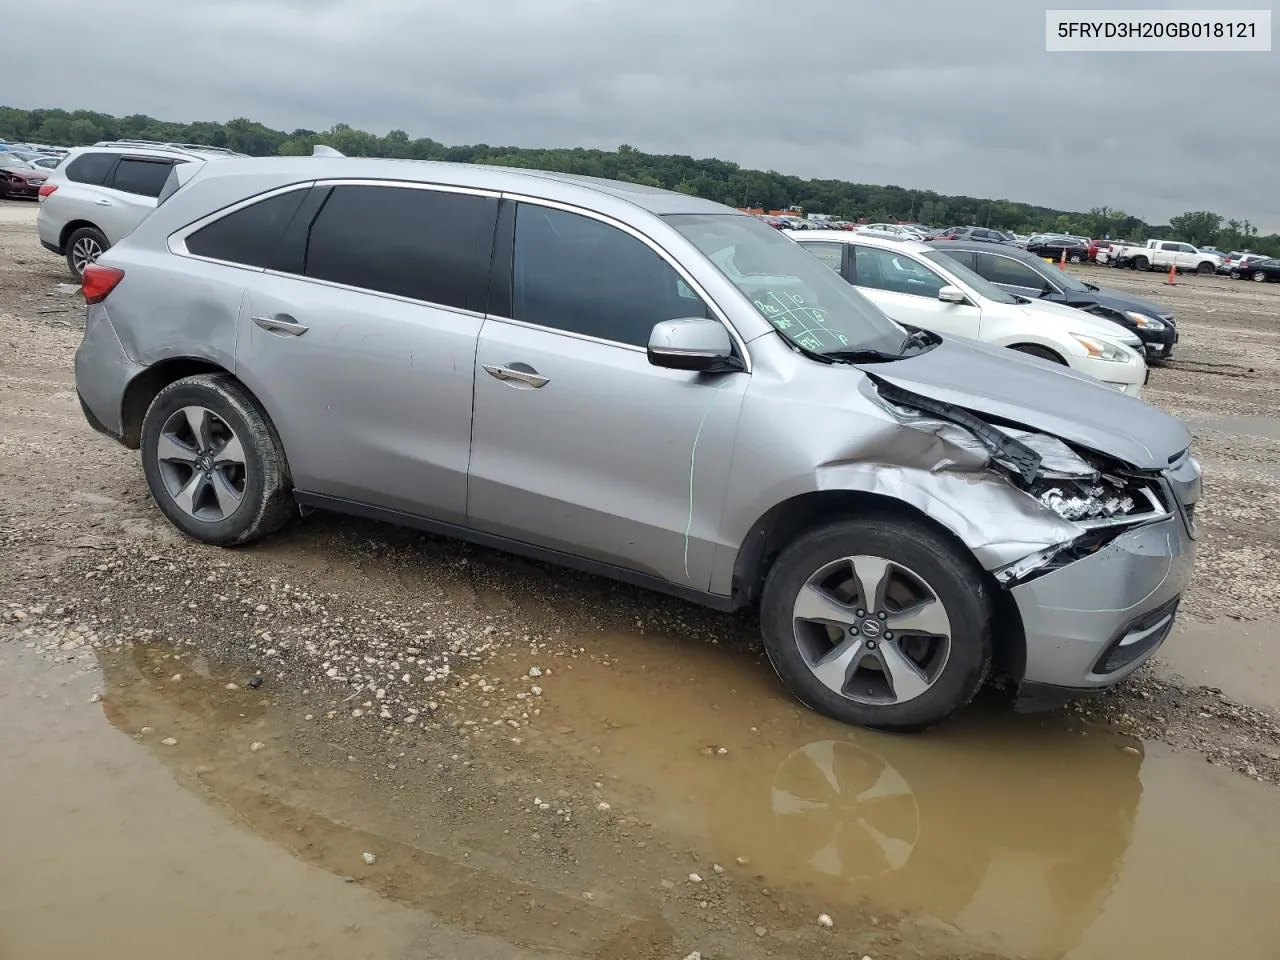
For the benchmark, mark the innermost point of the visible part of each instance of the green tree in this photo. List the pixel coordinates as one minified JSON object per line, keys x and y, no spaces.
{"x":1199,"y":227}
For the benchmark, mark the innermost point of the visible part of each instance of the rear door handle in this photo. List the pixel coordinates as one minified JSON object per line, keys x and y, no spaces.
{"x":282,"y":323}
{"x":529,"y":377}
{"x":103,"y":202}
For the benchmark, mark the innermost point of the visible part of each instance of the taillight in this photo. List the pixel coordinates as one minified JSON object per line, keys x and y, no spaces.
{"x":47,"y":189}
{"x":98,"y":281}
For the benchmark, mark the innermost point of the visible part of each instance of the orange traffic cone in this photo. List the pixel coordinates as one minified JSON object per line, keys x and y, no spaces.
{"x":1062,"y":260}
{"x":1173,"y":273}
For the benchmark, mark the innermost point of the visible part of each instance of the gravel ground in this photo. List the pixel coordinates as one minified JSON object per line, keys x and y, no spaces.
{"x":341,"y":660}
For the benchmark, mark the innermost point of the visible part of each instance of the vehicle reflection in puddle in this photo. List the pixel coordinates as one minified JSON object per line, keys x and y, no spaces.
{"x":1013,"y":830}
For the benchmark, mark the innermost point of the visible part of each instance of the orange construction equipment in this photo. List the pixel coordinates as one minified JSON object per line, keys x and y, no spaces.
{"x":1173,"y":274}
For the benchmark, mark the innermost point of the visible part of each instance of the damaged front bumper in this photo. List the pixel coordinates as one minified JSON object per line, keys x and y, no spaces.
{"x":1091,"y":621}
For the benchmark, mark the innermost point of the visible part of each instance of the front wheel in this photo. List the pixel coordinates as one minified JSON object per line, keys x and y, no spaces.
{"x":1259,"y":276}
{"x":879,"y":622}
{"x":1075,"y":258}
{"x":1235,"y":274}
{"x":1141,"y":263}
{"x":1204,"y":269}
{"x":214,"y":463}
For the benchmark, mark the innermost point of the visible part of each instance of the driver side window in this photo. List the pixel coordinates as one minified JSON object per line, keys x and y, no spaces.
{"x":894,"y":272}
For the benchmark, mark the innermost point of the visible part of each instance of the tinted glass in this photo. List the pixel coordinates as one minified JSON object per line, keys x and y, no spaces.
{"x":977,"y":283}
{"x":250,"y":235}
{"x":804,"y":301}
{"x":577,"y":274}
{"x":143,"y":177}
{"x":1004,"y":270}
{"x":828,"y":253}
{"x":91,"y":168}
{"x":425,"y":244}
{"x":896,"y":272}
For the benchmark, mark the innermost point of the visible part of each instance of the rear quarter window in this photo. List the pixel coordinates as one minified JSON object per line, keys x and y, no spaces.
{"x":252,"y":235}
{"x":92,"y":168}
{"x":143,"y":177}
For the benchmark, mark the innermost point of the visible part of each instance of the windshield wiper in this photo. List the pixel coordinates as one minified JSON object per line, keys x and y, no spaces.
{"x":1092,"y":288}
{"x":862,"y":355}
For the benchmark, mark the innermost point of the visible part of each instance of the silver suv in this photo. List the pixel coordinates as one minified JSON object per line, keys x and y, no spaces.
{"x":648,"y":386}
{"x":99,"y":194}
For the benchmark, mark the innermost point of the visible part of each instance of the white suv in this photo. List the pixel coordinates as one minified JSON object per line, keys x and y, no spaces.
{"x":98,"y":194}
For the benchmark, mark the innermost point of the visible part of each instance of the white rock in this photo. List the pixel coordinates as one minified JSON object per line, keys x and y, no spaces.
{"x":256,"y":746}
{"x":717,"y":868}
{"x":722,"y":750}
{"x":602,"y":806}
{"x":146,"y":730}
{"x":695,"y":878}
{"x":694,"y":956}
{"x":95,"y":698}
{"x":535,"y":672}
{"x":536,"y":690}
{"x":368,"y":857}
{"x":169,"y":742}
{"x":742,"y":861}
{"x":825,"y":921}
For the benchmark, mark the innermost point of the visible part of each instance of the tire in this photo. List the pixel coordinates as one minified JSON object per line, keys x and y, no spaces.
{"x":1204,"y":269}
{"x":81,"y":247}
{"x":1075,"y":258}
{"x":1259,"y":276}
{"x":1235,"y":274}
{"x":1141,"y":263}
{"x":1044,"y":353}
{"x":249,"y":494}
{"x":909,"y":685}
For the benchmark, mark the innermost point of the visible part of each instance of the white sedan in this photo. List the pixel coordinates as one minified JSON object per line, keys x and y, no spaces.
{"x":918,"y":285}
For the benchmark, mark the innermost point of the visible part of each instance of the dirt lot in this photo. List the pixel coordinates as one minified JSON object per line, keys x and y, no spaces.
{"x":356,"y":741}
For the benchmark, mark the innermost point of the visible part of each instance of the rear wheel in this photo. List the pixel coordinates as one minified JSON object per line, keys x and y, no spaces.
{"x":84,"y":247}
{"x":1034,"y":350}
{"x":1075,"y":258}
{"x":880,"y":622}
{"x":1259,"y":276}
{"x":1204,"y":269}
{"x":1141,"y":263}
{"x":214,"y":463}
{"x":1235,"y":274}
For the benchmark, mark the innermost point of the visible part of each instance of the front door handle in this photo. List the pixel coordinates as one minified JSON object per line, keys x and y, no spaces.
{"x":103,"y":202}
{"x":529,"y":377}
{"x":282,"y":323}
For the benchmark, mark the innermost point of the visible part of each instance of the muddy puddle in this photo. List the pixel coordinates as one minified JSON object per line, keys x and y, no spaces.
{"x":650,"y":762}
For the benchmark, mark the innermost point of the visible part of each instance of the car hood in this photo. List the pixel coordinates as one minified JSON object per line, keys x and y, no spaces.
{"x":1043,"y":396}
{"x":26,"y":174}
{"x":1120,"y":301}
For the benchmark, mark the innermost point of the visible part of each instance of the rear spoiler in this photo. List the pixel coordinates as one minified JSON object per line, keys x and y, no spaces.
{"x":179,"y":174}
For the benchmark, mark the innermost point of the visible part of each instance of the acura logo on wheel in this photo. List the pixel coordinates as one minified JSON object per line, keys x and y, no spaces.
{"x":871,"y":628}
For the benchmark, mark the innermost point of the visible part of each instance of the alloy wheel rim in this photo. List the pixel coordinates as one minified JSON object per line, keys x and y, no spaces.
{"x":202,"y":464}
{"x":85,"y":251}
{"x":871,"y":630}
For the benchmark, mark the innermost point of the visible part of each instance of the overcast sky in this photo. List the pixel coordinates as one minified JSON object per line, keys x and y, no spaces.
{"x":958,"y":97}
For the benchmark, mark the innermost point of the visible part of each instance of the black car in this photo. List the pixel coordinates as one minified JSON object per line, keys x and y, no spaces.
{"x":1262,"y":270}
{"x":1026,"y":275}
{"x":983,"y":235}
{"x":1054,"y":247}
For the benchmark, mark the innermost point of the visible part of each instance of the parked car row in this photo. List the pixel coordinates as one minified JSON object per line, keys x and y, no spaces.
{"x":1250,"y":266}
{"x":822,"y":425}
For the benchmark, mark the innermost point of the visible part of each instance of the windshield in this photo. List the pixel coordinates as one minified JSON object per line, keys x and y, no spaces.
{"x":15,"y":163}
{"x":980,"y":285}
{"x":805,"y":300}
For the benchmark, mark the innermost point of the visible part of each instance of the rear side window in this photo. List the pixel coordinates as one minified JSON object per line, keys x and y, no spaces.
{"x":92,"y":168}
{"x":577,"y":274}
{"x":428,"y":245}
{"x":251,"y":235}
{"x":829,"y":253}
{"x":1010,"y":272}
{"x":143,"y":177}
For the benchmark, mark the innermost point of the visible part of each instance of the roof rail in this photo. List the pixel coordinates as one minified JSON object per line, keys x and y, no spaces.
{"x":166,"y":145}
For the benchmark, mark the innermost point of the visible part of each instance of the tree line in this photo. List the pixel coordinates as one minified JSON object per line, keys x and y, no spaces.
{"x":719,"y":180}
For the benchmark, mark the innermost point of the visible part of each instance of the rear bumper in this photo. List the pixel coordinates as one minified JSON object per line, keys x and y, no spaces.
{"x":1090,"y":624}
{"x":51,"y":247}
{"x":103,"y":371}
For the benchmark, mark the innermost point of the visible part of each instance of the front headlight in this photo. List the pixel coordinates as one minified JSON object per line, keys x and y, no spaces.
{"x":1144,"y":321}
{"x":1101,"y":349}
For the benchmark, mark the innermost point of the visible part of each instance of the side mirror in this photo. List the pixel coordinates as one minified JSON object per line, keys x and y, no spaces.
{"x":693,"y":344}
{"x":950,"y":294}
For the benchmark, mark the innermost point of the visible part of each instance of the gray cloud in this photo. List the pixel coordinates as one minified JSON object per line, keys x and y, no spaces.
{"x":931,"y":94}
